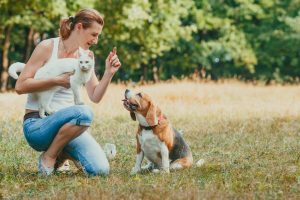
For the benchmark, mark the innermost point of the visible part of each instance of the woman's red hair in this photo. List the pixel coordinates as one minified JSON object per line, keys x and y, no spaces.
{"x":84,"y":16}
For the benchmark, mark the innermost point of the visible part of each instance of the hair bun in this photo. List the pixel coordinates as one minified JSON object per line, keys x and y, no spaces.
{"x":72,"y":19}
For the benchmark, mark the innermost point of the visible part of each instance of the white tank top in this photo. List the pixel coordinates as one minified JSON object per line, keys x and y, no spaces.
{"x":62,"y":98}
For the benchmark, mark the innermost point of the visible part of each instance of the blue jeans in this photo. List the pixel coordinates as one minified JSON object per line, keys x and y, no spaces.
{"x":40,"y":133}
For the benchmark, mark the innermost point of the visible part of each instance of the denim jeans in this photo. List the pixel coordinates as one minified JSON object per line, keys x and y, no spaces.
{"x":40,"y":133}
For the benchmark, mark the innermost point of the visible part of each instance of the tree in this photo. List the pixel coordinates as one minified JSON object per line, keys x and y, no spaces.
{"x":145,"y":30}
{"x":34,"y":17}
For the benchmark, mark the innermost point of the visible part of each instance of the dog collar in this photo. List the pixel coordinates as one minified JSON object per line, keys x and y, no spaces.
{"x":152,"y":127}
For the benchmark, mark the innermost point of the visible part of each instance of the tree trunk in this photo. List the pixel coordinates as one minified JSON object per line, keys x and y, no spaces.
{"x":29,"y":44}
{"x":145,"y":72}
{"x":155,"y":74}
{"x":4,"y":74}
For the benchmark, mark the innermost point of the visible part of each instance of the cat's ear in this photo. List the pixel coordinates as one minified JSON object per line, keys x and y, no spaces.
{"x":81,"y":51}
{"x":91,"y":54}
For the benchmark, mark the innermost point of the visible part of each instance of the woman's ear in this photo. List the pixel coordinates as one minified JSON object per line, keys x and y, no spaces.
{"x":132,"y":115}
{"x":78,"y":26}
{"x":151,"y":115}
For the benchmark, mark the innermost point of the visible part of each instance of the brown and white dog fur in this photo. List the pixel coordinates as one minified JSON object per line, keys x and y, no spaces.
{"x":157,"y":140}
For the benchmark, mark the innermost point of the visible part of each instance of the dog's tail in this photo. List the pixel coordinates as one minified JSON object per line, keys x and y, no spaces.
{"x":14,"y":68}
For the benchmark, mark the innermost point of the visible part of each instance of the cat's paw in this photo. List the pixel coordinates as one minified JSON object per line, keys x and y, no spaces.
{"x":42,"y":114}
{"x":79,"y":102}
{"x":50,"y":112}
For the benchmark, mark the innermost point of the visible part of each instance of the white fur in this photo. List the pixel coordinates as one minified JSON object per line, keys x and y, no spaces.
{"x":141,"y":119}
{"x":200,"y":162}
{"x":83,"y":67}
{"x":151,"y":147}
{"x":14,"y":68}
{"x":138,"y":163}
{"x":176,"y":166}
{"x":110,"y":150}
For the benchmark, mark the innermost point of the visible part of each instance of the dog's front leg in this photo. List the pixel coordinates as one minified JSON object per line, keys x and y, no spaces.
{"x":165,"y":158}
{"x":138,"y":163}
{"x":149,"y":166}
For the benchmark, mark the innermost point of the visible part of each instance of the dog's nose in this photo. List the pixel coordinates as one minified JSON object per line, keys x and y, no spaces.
{"x":126,"y":91}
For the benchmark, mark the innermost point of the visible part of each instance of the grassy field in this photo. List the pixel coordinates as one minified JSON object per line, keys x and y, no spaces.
{"x":248,"y":136}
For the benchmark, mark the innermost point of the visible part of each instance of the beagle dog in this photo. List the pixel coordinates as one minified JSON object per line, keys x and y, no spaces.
{"x":162,"y":145}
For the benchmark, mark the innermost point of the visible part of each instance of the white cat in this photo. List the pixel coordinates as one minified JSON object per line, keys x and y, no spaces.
{"x":83,"y":67}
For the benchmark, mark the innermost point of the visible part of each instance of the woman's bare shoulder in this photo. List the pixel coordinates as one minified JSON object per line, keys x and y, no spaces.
{"x":43,"y":50}
{"x":46,"y":45}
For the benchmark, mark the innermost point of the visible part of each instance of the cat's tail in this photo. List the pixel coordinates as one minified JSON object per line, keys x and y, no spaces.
{"x":14,"y":68}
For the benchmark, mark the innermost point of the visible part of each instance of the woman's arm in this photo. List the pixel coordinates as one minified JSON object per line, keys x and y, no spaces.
{"x":26,"y":83}
{"x":96,"y":89}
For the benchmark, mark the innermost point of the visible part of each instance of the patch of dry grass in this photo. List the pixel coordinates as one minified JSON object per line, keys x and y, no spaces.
{"x":248,"y":136}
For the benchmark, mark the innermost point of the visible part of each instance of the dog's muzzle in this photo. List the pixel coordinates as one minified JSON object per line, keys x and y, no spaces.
{"x":129,"y":106}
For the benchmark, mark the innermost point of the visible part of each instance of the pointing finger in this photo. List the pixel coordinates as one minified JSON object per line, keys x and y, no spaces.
{"x":114,"y":50}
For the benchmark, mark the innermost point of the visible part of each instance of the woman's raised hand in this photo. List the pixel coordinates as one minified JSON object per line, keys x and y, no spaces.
{"x":112,"y":62}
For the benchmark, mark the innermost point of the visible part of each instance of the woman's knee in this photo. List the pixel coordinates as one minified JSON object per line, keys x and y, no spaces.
{"x":84,"y":113}
{"x":89,"y":154}
{"x":96,"y":169}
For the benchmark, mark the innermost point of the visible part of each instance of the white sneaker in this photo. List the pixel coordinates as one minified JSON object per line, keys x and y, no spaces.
{"x":65,"y":167}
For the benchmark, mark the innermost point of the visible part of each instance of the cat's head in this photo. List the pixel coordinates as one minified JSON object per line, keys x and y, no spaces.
{"x":86,"y":60}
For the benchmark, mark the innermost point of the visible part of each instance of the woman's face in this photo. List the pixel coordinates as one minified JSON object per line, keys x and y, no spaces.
{"x":89,"y":36}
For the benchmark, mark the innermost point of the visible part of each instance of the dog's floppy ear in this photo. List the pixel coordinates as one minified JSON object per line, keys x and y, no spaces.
{"x":132,"y":115}
{"x":151,"y":115}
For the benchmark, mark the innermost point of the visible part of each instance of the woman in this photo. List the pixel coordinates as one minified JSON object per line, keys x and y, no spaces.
{"x":64,"y":133}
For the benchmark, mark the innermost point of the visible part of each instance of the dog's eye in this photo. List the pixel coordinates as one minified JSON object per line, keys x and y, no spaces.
{"x":86,"y":61}
{"x":139,"y":94}
{"x":80,"y":62}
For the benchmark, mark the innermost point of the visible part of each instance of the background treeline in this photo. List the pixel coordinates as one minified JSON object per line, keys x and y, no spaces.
{"x":246,"y":39}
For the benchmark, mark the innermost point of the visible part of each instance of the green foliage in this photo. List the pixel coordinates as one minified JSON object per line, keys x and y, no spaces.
{"x":245,"y":38}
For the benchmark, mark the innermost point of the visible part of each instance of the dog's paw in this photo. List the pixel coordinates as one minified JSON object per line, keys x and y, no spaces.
{"x":149,"y":167}
{"x":134,"y":171}
{"x":160,"y":171}
{"x":165,"y":171}
{"x":155,"y":171}
{"x":175,"y":166}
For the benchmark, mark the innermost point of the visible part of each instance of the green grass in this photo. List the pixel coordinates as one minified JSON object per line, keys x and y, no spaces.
{"x":248,"y":136}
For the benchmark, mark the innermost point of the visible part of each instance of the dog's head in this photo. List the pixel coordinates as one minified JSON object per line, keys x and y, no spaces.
{"x":141,"y":103}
